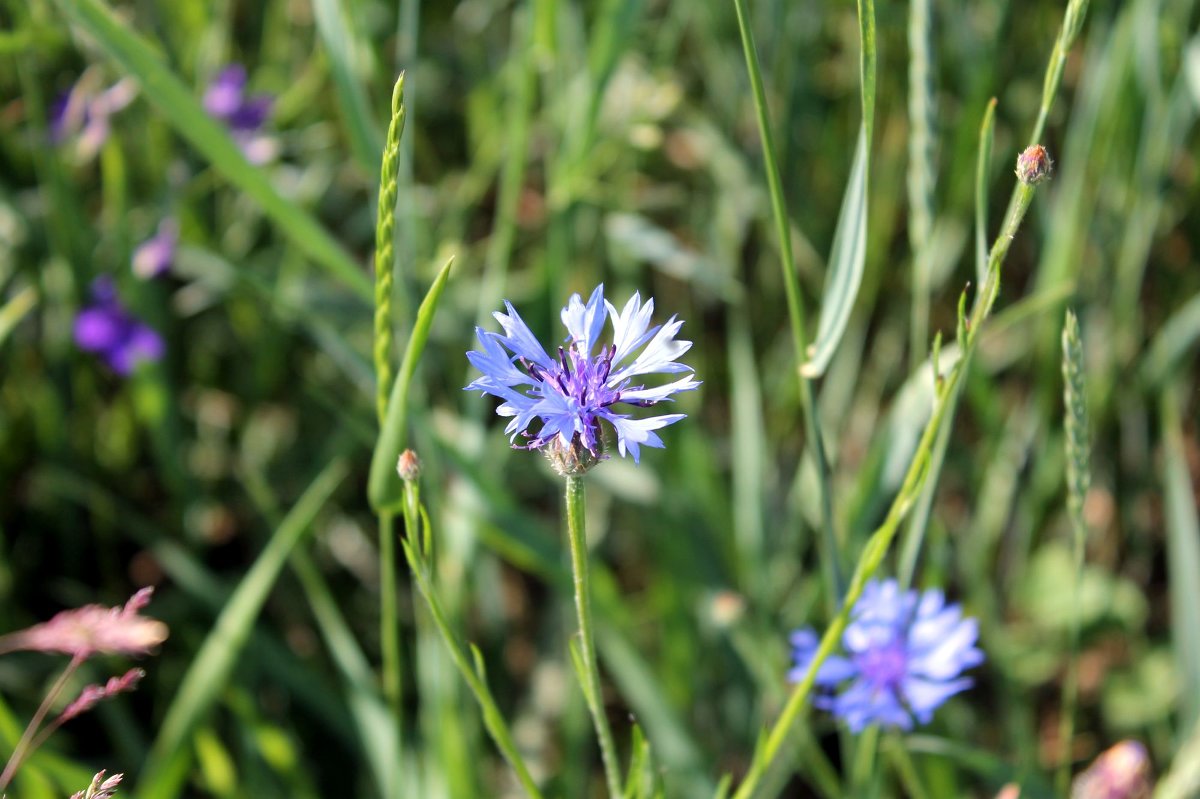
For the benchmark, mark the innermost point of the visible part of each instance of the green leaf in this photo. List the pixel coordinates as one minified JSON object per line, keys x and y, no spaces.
{"x":983,"y":167}
{"x":845,"y":266}
{"x":16,"y":309}
{"x":366,"y":140}
{"x":218,"y":655}
{"x":180,"y":108}
{"x":384,"y":487}
{"x":1183,"y":560}
{"x":1175,"y":337}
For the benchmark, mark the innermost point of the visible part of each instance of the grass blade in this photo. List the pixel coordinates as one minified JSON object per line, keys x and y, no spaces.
{"x":922,"y":171}
{"x":15,"y":310}
{"x":846,"y":263}
{"x":1177,"y":334}
{"x":215,"y":661}
{"x":384,"y":487}
{"x":182,"y":110}
{"x":366,"y":141}
{"x":1183,"y":560}
{"x":850,"y":239}
{"x":983,"y":167}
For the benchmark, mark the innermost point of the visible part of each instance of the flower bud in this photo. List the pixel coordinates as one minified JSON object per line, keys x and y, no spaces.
{"x":409,"y":466}
{"x":1034,"y":165}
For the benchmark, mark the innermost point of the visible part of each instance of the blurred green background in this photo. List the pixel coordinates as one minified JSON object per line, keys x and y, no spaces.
{"x":548,"y":147}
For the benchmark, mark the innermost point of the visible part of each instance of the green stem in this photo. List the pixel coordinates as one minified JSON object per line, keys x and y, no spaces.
{"x":418,"y":550}
{"x":23,"y":749}
{"x":389,"y":625}
{"x":587,"y":648}
{"x":796,"y":313}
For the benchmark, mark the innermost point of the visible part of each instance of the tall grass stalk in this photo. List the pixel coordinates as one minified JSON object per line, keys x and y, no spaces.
{"x":1078,"y":480}
{"x":878,"y":544}
{"x":586,"y":662}
{"x":385,"y":256}
{"x":796,"y":312}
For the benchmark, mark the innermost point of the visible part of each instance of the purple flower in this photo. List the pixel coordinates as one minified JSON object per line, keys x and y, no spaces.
{"x":226,"y":100}
{"x":80,"y":117}
{"x":569,"y":395}
{"x":155,"y":256}
{"x":906,"y":653}
{"x":107,"y":329}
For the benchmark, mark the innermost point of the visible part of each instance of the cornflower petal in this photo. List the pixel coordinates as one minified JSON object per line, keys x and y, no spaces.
{"x":659,"y":355}
{"x":632,"y":433}
{"x":495,"y":364}
{"x":520,"y":339}
{"x":630,"y":327}
{"x":584,"y":322}
{"x":658,"y":393}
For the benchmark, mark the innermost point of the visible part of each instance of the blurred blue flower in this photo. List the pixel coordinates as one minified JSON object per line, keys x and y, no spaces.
{"x":108,"y":330}
{"x":226,"y":100}
{"x":80,"y":117}
{"x":905,"y":654}
{"x":155,"y":256}
{"x":571,"y":394}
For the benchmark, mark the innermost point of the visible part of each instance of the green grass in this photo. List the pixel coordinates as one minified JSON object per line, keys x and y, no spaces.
{"x":706,"y":155}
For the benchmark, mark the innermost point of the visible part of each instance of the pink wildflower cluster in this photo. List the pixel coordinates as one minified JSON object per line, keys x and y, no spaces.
{"x":93,"y":630}
{"x":82,"y":633}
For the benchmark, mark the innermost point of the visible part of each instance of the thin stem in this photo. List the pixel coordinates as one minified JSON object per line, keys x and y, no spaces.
{"x":473,"y":674}
{"x":389,"y":625}
{"x":583,"y":605}
{"x":23,"y":749}
{"x":796,"y":313}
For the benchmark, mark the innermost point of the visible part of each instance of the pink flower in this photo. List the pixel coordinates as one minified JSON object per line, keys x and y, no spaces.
{"x":93,"y":629}
{"x":94,"y":694}
{"x":100,"y":788}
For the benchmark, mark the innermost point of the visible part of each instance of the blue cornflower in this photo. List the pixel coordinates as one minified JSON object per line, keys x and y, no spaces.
{"x":245,"y":115}
{"x":906,"y":653}
{"x":107,"y":329}
{"x":570,"y":395}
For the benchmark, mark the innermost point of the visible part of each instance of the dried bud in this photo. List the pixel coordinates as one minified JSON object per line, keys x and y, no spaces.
{"x":409,"y":466}
{"x":727,"y":608}
{"x":1120,"y":772}
{"x":1034,"y":165}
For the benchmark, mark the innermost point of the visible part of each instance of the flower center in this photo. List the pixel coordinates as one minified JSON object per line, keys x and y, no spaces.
{"x":580,"y":380}
{"x":884,"y":666}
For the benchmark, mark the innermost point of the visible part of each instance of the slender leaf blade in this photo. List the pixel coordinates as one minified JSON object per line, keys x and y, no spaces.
{"x":846,"y":264}
{"x":384,"y":487}
{"x":218,"y":655}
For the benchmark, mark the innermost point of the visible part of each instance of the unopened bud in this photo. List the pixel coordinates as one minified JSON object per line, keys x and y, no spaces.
{"x":409,"y":466}
{"x":1034,"y":165}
